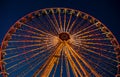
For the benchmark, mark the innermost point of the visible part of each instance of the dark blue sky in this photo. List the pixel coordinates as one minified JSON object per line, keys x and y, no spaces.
{"x":108,"y":12}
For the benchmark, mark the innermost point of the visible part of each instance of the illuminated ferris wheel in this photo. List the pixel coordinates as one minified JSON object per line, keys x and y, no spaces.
{"x":59,"y":42}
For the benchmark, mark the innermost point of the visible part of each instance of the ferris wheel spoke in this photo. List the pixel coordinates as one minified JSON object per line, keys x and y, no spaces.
{"x":35,"y":54}
{"x":95,"y":36}
{"x":43,"y":37}
{"x":78,"y":26}
{"x":96,"y":43}
{"x":32,"y":67}
{"x":24,"y":60}
{"x":85,"y":28}
{"x":24,"y":53}
{"x":32,"y":32}
{"x":64,"y":24}
{"x":50,"y":62}
{"x":99,"y":54}
{"x":47,"y":44}
{"x":39,"y":25}
{"x":98,"y":48}
{"x":36,"y":33}
{"x":72,"y":64}
{"x":40,"y":68}
{"x":72,"y":25}
{"x":43,"y":22}
{"x":97,"y":65}
{"x":27,"y":36}
{"x":78,"y":44}
{"x":52,"y":23}
{"x":34,"y":28}
{"x":68,"y":24}
{"x":56,"y":65}
{"x":25,"y":41}
{"x":25,"y":46}
{"x":53,"y":30}
{"x":55,"y":20}
{"x":92,"y":35}
{"x":53,"y":60}
{"x":36,"y":62}
{"x":80,"y":65}
{"x":67,"y":66}
{"x":98,"y":59}
{"x":62,"y":28}
{"x":61,"y":65}
{"x":84,"y":61}
{"x":95,"y":39}
{"x":87,"y":32}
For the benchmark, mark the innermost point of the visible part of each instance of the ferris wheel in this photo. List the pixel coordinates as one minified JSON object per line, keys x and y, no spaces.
{"x":59,"y":42}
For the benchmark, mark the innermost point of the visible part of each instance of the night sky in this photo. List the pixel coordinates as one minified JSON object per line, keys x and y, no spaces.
{"x":107,"y":11}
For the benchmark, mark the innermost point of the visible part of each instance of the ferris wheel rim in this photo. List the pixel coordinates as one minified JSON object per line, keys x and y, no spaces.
{"x":115,"y":40}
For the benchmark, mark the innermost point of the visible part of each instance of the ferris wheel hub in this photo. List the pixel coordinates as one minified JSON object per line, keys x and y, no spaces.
{"x":64,"y":36}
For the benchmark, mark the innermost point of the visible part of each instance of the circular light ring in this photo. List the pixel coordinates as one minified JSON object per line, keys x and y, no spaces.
{"x":32,"y":45}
